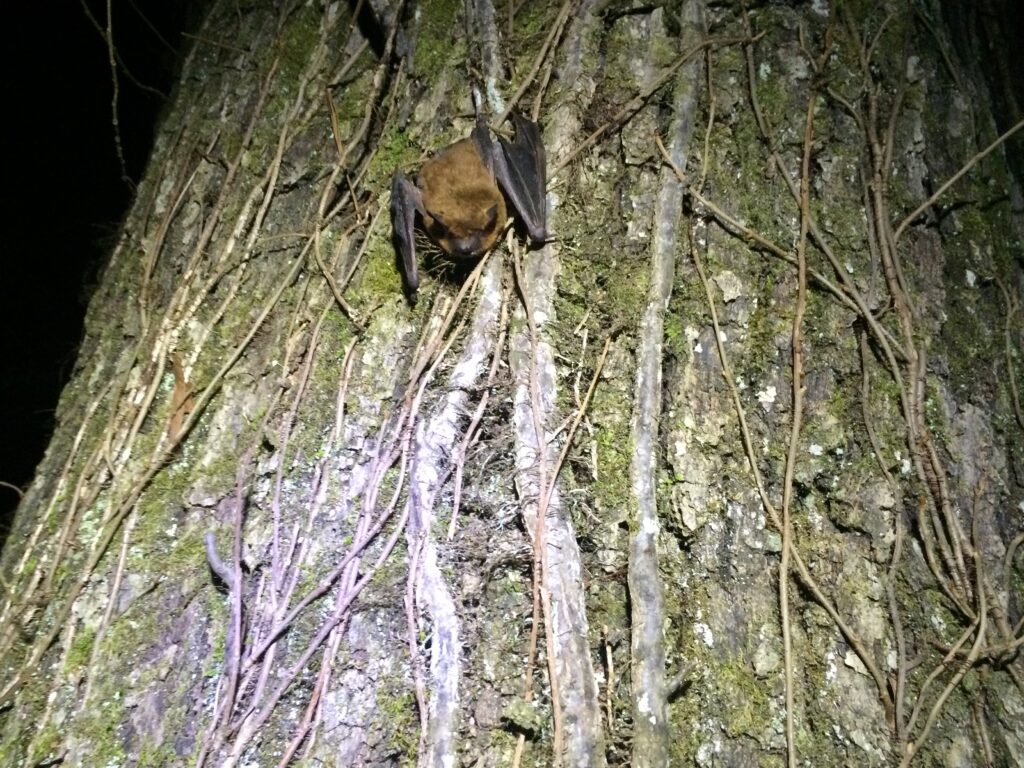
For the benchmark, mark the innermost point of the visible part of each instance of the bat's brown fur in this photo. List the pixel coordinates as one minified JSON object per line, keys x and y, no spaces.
{"x":465,"y":208}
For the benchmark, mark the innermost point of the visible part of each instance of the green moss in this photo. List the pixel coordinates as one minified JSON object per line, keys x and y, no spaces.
{"x":81,"y":649}
{"x":158,"y":755}
{"x":45,"y":745}
{"x":309,"y":437}
{"x":102,"y":722}
{"x":397,"y":718}
{"x":436,"y":44}
{"x":743,"y":699}
{"x":213,"y":664}
{"x":394,"y":150}
{"x":614,"y":455}
{"x":533,"y":23}
{"x":296,"y":42}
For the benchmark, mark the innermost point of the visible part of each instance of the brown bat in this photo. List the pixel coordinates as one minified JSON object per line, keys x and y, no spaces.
{"x":458,"y":198}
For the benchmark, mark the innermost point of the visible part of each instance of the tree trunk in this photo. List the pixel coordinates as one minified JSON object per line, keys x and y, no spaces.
{"x":728,"y":473}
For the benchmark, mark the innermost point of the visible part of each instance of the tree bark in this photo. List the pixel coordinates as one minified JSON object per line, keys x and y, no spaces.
{"x":727,"y":473}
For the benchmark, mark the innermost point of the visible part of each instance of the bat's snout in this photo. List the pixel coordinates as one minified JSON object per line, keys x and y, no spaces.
{"x":465,"y":247}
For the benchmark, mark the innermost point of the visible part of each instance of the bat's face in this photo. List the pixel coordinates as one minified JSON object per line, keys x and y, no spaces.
{"x":468,"y":231}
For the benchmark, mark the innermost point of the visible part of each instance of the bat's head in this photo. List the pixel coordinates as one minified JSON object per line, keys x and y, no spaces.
{"x":470,"y":227}
{"x":463,"y":209}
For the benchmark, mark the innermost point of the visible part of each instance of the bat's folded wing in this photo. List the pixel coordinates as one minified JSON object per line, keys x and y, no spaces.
{"x":521,"y":169}
{"x":405,"y":201}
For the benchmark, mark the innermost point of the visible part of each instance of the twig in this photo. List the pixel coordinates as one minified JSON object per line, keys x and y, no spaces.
{"x":215,"y":43}
{"x":955,"y":178}
{"x":797,"y":418}
{"x":554,"y":34}
{"x":350,"y":313}
{"x":217,"y":565}
{"x":460,"y":456}
{"x":899,"y":695}
{"x":13,"y":487}
{"x":109,"y":35}
{"x":865,"y":409}
{"x":1008,"y":351}
{"x":748,"y":447}
{"x":634,"y":104}
{"x":541,"y":598}
{"x":978,"y":629}
{"x":120,"y":62}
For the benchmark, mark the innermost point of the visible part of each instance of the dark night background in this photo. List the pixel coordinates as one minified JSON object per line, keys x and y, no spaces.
{"x":66,"y":194}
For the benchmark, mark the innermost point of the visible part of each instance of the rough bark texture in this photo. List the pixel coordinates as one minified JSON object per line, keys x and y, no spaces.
{"x":557,"y":513}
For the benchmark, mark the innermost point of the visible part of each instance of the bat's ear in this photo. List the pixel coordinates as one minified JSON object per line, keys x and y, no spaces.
{"x":492,"y":218}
